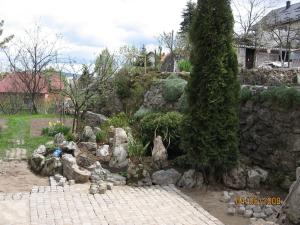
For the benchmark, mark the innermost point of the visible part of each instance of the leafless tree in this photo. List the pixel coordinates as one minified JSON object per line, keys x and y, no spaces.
{"x":285,"y":35}
{"x":28,"y":58}
{"x":247,"y":14}
{"x":6,"y":39}
{"x":88,"y":82}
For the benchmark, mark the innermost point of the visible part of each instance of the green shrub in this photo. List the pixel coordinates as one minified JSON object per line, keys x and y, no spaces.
{"x":142,"y":112}
{"x":102,"y":136}
{"x":55,"y":128}
{"x":119,"y":120}
{"x":173,"y":88}
{"x":123,"y":84}
{"x":185,"y":65}
{"x":283,"y":97}
{"x":246,"y":95}
{"x":70,"y":137}
{"x":136,"y":147}
{"x":167,"y":125}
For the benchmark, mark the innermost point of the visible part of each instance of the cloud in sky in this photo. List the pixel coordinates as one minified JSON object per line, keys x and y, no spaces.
{"x":89,"y":26}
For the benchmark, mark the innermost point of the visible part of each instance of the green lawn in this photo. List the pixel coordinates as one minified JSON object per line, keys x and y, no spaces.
{"x":18,"y":126}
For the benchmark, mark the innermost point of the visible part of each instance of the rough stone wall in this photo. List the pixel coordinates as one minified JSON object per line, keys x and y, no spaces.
{"x":270,"y":136}
{"x":274,"y":77}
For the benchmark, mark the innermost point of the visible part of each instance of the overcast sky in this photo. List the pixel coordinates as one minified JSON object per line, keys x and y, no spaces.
{"x":87,"y":26}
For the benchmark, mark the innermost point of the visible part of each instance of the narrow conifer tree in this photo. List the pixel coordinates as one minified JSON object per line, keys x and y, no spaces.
{"x":210,"y":130}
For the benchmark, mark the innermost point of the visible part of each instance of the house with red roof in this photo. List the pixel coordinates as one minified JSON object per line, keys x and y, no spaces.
{"x":44,"y":87}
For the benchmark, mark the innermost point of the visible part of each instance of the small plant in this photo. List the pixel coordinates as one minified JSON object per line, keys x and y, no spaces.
{"x":119,"y":120}
{"x":173,"y":88}
{"x":246,"y":95}
{"x":55,"y":128}
{"x":70,"y":137}
{"x":136,"y":148}
{"x":167,"y":125}
{"x":102,"y":136}
{"x":185,"y":65}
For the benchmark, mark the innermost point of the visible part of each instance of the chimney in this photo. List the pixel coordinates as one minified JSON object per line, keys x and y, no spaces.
{"x":288,"y":4}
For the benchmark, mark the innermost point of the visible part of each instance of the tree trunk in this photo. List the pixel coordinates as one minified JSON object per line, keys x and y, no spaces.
{"x":33,"y":107}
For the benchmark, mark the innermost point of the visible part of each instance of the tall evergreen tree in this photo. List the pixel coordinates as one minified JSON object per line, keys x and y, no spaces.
{"x":187,"y":16}
{"x":210,"y":130}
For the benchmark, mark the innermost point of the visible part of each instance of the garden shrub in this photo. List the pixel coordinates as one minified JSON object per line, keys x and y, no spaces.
{"x":142,"y":112}
{"x":166,"y":125}
{"x":123,"y":84}
{"x":70,"y":136}
{"x":283,"y":97}
{"x":185,"y":65}
{"x":136,"y":147}
{"x":210,"y":126}
{"x":119,"y":120}
{"x":55,"y":128}
{"x":102,"y":136}
{"x":173,"y":88}
{"x":246,"y":95}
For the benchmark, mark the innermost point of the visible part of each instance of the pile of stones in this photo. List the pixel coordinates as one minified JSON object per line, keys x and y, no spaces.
{"x":240,"y":203}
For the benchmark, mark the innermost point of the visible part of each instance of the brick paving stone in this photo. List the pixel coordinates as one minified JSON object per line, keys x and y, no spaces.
{"x":123,"y":205}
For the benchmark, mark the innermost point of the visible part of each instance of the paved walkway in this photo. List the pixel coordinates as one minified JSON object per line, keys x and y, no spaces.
{"x":123,"y":205}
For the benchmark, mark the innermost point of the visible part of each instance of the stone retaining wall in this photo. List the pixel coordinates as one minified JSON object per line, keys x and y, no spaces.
{"x":270,"y":77}
{"x":269,"y":135}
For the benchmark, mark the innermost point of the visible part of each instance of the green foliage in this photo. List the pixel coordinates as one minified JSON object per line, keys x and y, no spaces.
{"x":136,"y":147}
{"x":187,"y":15}
{"x":142,"y":112}
{"x":173,"y":88}
{"x":102,"y":136}
{"x":281,"y":97}
{"x":119,"y":120}
{"x":166,"y":125}
{"x":123,"y":84}
{"x":185,"y":65}
{"x":55,"y":128}
{"x":210,"y":126}
{"x":284,"y":97}
{"x":70,"y":136}
{"x":246,"y":95}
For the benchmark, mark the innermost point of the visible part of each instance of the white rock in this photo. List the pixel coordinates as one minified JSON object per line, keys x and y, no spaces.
{"x":102,"y":151}
{"x":159,"y":154}
{"x":165,"y":177}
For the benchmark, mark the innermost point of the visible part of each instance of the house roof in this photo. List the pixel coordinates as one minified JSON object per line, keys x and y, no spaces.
{"x":283,"y":15}
{"x":12,"y":83}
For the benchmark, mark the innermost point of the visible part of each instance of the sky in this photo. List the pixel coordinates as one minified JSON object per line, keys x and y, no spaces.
{"x":89,"y":26}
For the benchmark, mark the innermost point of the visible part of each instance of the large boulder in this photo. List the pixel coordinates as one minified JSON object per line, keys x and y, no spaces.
{"x":116,"y":179}
{"x":88,"y":135}
{"x":88,"y":146}
{"x":255,"y":177}
{"x":98,"y":173}
{"x":93,"y":119}
{"x":235,"y":178}
{"x":72,"y":171}
{"x":191,"y":179}
{"x":159,"y":154}
{"x":40,"y":150}
{"x":104,"y":153}
{"x":59,"y":139}
{"x":120,"y":149}
{"x":52,"y":166}
{"x":138,"y":175}
{"x":292,"y":207}
{"x":37,"y":162}
{"x":69,"y":147}
{"x":166,"y":177}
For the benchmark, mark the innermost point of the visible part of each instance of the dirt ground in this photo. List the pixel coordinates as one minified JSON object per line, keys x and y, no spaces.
{"x":38,"y":124}
{"x":15,"y":176}
{"x":210,"y":201}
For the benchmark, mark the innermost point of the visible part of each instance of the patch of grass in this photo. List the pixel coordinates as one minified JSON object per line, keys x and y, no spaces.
{"x":18,"y":127}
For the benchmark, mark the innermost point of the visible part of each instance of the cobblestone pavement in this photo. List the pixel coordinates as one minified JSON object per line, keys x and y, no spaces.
{"x":123,"y":205}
